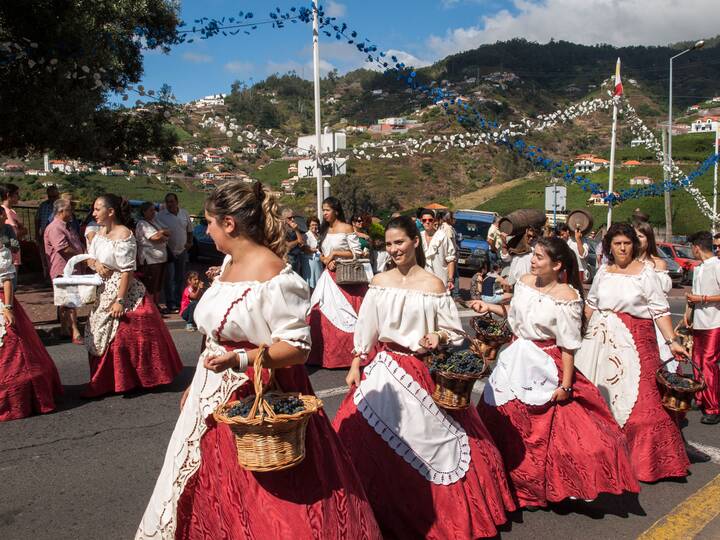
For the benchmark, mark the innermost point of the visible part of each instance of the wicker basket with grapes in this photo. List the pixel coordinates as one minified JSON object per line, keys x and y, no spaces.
{"x":455,"y":373}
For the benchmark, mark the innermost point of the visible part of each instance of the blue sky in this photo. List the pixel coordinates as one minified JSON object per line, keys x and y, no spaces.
{"x":417,"y":31}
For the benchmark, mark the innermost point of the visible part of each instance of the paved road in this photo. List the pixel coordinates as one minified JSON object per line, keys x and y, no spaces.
{"x":87,"y":471}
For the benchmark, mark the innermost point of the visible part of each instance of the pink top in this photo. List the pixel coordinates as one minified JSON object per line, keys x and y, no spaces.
{"x":58,"y":236}
{"x":185,"y":299}
{"x":15,"y":223}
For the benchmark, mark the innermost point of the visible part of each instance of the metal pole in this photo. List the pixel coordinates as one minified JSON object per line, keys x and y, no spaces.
{"x":554,"y":203}
{"x":612,"y":160}
{"x":715,"y":178}
{"x":668,"y":201}
{"x":318,"y":134}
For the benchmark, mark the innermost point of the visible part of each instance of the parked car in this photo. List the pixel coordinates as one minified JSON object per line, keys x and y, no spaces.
{"x":675,"y":271}
{"x":203,"y":246}
{"x":682,"y":255}
{"x":472,"y":228}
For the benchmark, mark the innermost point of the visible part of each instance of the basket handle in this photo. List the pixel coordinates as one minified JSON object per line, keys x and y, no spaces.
{"x":689,"y":360}
{"x":260,"y":389}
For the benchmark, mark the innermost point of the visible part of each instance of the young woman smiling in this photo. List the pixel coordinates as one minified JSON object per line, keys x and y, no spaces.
{"x":551,"y":424}
{"x":428,"y":473}
{"x":620,"y":354}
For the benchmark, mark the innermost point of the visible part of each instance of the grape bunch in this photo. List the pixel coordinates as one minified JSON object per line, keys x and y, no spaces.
{"x":678,"y":381}
{"x":461,"y":362}
{"x":287,"y":405}
{"x":239,"y":409}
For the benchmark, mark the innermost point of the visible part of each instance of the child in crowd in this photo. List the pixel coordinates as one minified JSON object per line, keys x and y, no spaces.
{"x":483,"y":285}
{"x":190,"y":297}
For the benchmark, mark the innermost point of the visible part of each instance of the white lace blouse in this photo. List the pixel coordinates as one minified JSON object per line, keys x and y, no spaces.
{"x":341,"y":242}
{"x":258,"y":312}
{"x":665,"y":280}
{"x":404,"y":316}
{"x":7,"y":268}
{"x":640,"y":295}
{"x":535,"y":315}
{"x":119,"y":255}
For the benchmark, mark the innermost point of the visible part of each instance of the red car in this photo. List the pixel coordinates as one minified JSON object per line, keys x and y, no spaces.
{"x":682,"y":255}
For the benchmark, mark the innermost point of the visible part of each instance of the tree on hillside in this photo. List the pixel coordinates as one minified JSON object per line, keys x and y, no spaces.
{"x":61,"y":61}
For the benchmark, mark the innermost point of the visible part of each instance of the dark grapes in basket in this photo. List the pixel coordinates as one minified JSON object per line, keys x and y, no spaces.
{"x":239,"y":409}
{"x":285,"y":405}
{"x":461,"y":362}
{"x":678,"y":381}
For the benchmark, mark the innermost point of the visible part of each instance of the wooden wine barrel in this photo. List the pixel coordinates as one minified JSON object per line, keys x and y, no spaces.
{"x":580,"y":219}
{"x":516,"y":222}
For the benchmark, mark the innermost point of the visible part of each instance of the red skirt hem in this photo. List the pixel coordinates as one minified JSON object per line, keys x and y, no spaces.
{"x":29,"y":380}
{"x":142,"y":355}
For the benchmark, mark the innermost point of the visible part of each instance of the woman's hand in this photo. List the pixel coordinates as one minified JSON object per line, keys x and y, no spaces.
{"x":117,"y":310}
{"x":430,"y":342}
{"x":560,"y":395}
{"x":184,"y":397}
{"x":353,"y":376}
{"x":9,"y":317}
{"x":479,"y":306}
{"x":102,"y":270}
{"x":679,"y":351}
{"x":332,"y":265}
{"x":693,"y":299}
{"x":218,"y":364}
{"x":212,"y":272}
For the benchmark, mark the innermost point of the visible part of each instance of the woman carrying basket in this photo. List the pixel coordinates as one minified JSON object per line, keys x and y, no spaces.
{"x":428,"y":473}
{"x":257,"y":300}
{"x":551,"y":424}
{"x":335,"y":305}
{"x":29,"y":380}
{"x":620,"y":355}
{"x":128,"y":344}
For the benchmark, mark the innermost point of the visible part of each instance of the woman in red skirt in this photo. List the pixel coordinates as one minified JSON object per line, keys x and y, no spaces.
{"x":553,"y":428}
{"x":428,"y":473}
{"x":128,"y":344}
{"x":29,"y":380}
{"x":334,"y":306}
{"x":202,"y":492}
{"x":620,"y":355}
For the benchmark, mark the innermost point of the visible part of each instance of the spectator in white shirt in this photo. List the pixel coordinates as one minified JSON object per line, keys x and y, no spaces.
{"x":439,"y":249}
{"x":178,"y":222}
{"x":578,"y":246}
{"x":704,"y":309}
{"x":152,"y":240}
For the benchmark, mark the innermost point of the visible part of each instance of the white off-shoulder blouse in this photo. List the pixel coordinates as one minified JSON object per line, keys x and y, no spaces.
{"x":640,"y":295}
{"x":257,"y":312}
{"x":535,"y":315}
{"x":7,"y":268}
{"x":341,"y":242}
{"x":119,"y":255}
{"x":404,"y":317}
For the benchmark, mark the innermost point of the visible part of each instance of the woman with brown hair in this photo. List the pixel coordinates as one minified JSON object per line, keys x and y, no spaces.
{"x":620,"y":354}
{"x":553,"y":428}
{"x":202,"y":491}
{"x":128,"y":344}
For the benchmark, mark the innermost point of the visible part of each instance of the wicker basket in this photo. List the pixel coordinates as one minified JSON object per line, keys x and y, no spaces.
{"x":351,"y":271}
{"x":453,"y":390}
{"x":268,"y":441}
{"x":676,"y":398}
{"x":485,"y":343}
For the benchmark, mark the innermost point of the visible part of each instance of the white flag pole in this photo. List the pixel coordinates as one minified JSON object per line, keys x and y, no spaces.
{"x":318,"y":133}
{"x":612,"y":150}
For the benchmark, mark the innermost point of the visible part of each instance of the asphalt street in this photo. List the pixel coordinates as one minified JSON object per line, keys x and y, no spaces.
{"x":87,"y":470}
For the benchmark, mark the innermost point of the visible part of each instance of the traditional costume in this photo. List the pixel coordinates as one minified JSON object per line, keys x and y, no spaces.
{"x":620,"y":355}
{"x":29,"y":380}
{"x":135,"y":350}
{"x":202,"y":492}
{"x":706,"y":334}
{"x":429,"y":473}
{"x":334,"y":308}
{"x":553,"y":451}
{"x":439,"y":252}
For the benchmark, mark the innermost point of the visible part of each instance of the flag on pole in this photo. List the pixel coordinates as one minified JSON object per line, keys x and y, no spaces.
{"x":618,"y":82}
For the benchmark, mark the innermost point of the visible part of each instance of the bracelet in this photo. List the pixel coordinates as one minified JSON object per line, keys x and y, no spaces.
{"x":442,"y":336}
{"x":243,"y":360}
{"x":569,"y":389}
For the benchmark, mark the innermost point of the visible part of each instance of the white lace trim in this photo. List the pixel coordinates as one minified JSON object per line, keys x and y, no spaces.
{"x":208,"y":390}
{"x":439,"y":450}
{"x":333,"y":304}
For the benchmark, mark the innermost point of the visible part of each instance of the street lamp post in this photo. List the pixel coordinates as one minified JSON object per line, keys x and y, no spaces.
{"x":668,"y":158}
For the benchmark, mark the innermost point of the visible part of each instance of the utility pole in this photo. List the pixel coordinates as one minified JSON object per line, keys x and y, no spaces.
{"x":318,"y":134}
{"x":715,"y":179}
{"x":667,"y":177}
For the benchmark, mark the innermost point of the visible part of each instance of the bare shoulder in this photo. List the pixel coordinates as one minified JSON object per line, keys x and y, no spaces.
{"x":343,"y":228}
{"x":431,"y":283}
{"x":120,"y":232}
{"x":266,"y":266}
{"x":528,"y":279}
{"x":660,"y":264}
{"x":565,"y":293}
{"x":383,"y":279}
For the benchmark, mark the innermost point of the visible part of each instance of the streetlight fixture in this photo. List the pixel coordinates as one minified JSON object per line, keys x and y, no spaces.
{"x":668,"y":156}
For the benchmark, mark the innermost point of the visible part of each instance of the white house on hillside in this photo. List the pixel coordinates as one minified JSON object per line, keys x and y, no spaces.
{"x":704,"y":124}
{"x":588,"y":163}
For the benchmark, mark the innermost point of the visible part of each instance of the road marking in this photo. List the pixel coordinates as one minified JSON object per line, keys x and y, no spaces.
{"x":690,"y":517}
{"x":711,"y":451}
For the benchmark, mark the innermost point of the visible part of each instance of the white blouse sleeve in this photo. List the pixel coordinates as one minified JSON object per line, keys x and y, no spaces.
{"x":652,"y":289}
{"x":285,"y":302}
{"x":354,"y":244}
{"x":144,"y":230}
{"x":569,"y":322}
{"x":450,"y":254}
{"x":366,"y":328}
{"x":665,"y":281}
{"x":126,"y":255}
{"x":592,"y":297}
{"x":7,"y":268}
{"x":448,"y":320}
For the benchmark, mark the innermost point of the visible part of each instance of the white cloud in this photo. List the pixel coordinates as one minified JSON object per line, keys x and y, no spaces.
{"x":304,"y":70}
{"x":335,"y":9}
{"x":617,"y":22}
{"x":197,"y":58}
{"x":238,"y":67}
{"x":407,"y":58}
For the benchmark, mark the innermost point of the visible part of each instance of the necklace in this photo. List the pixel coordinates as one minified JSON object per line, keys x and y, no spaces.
{"x":546,"y":290}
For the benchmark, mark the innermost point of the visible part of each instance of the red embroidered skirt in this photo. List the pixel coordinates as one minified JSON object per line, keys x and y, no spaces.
{"x":406,"y":505}
{"x":706,"y":354}
{"x":29,"y":380}
{"x":331,"y":347}
{"x":141,"y":355}
{"x":321,"y":497}
{"x":556,"y":451}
